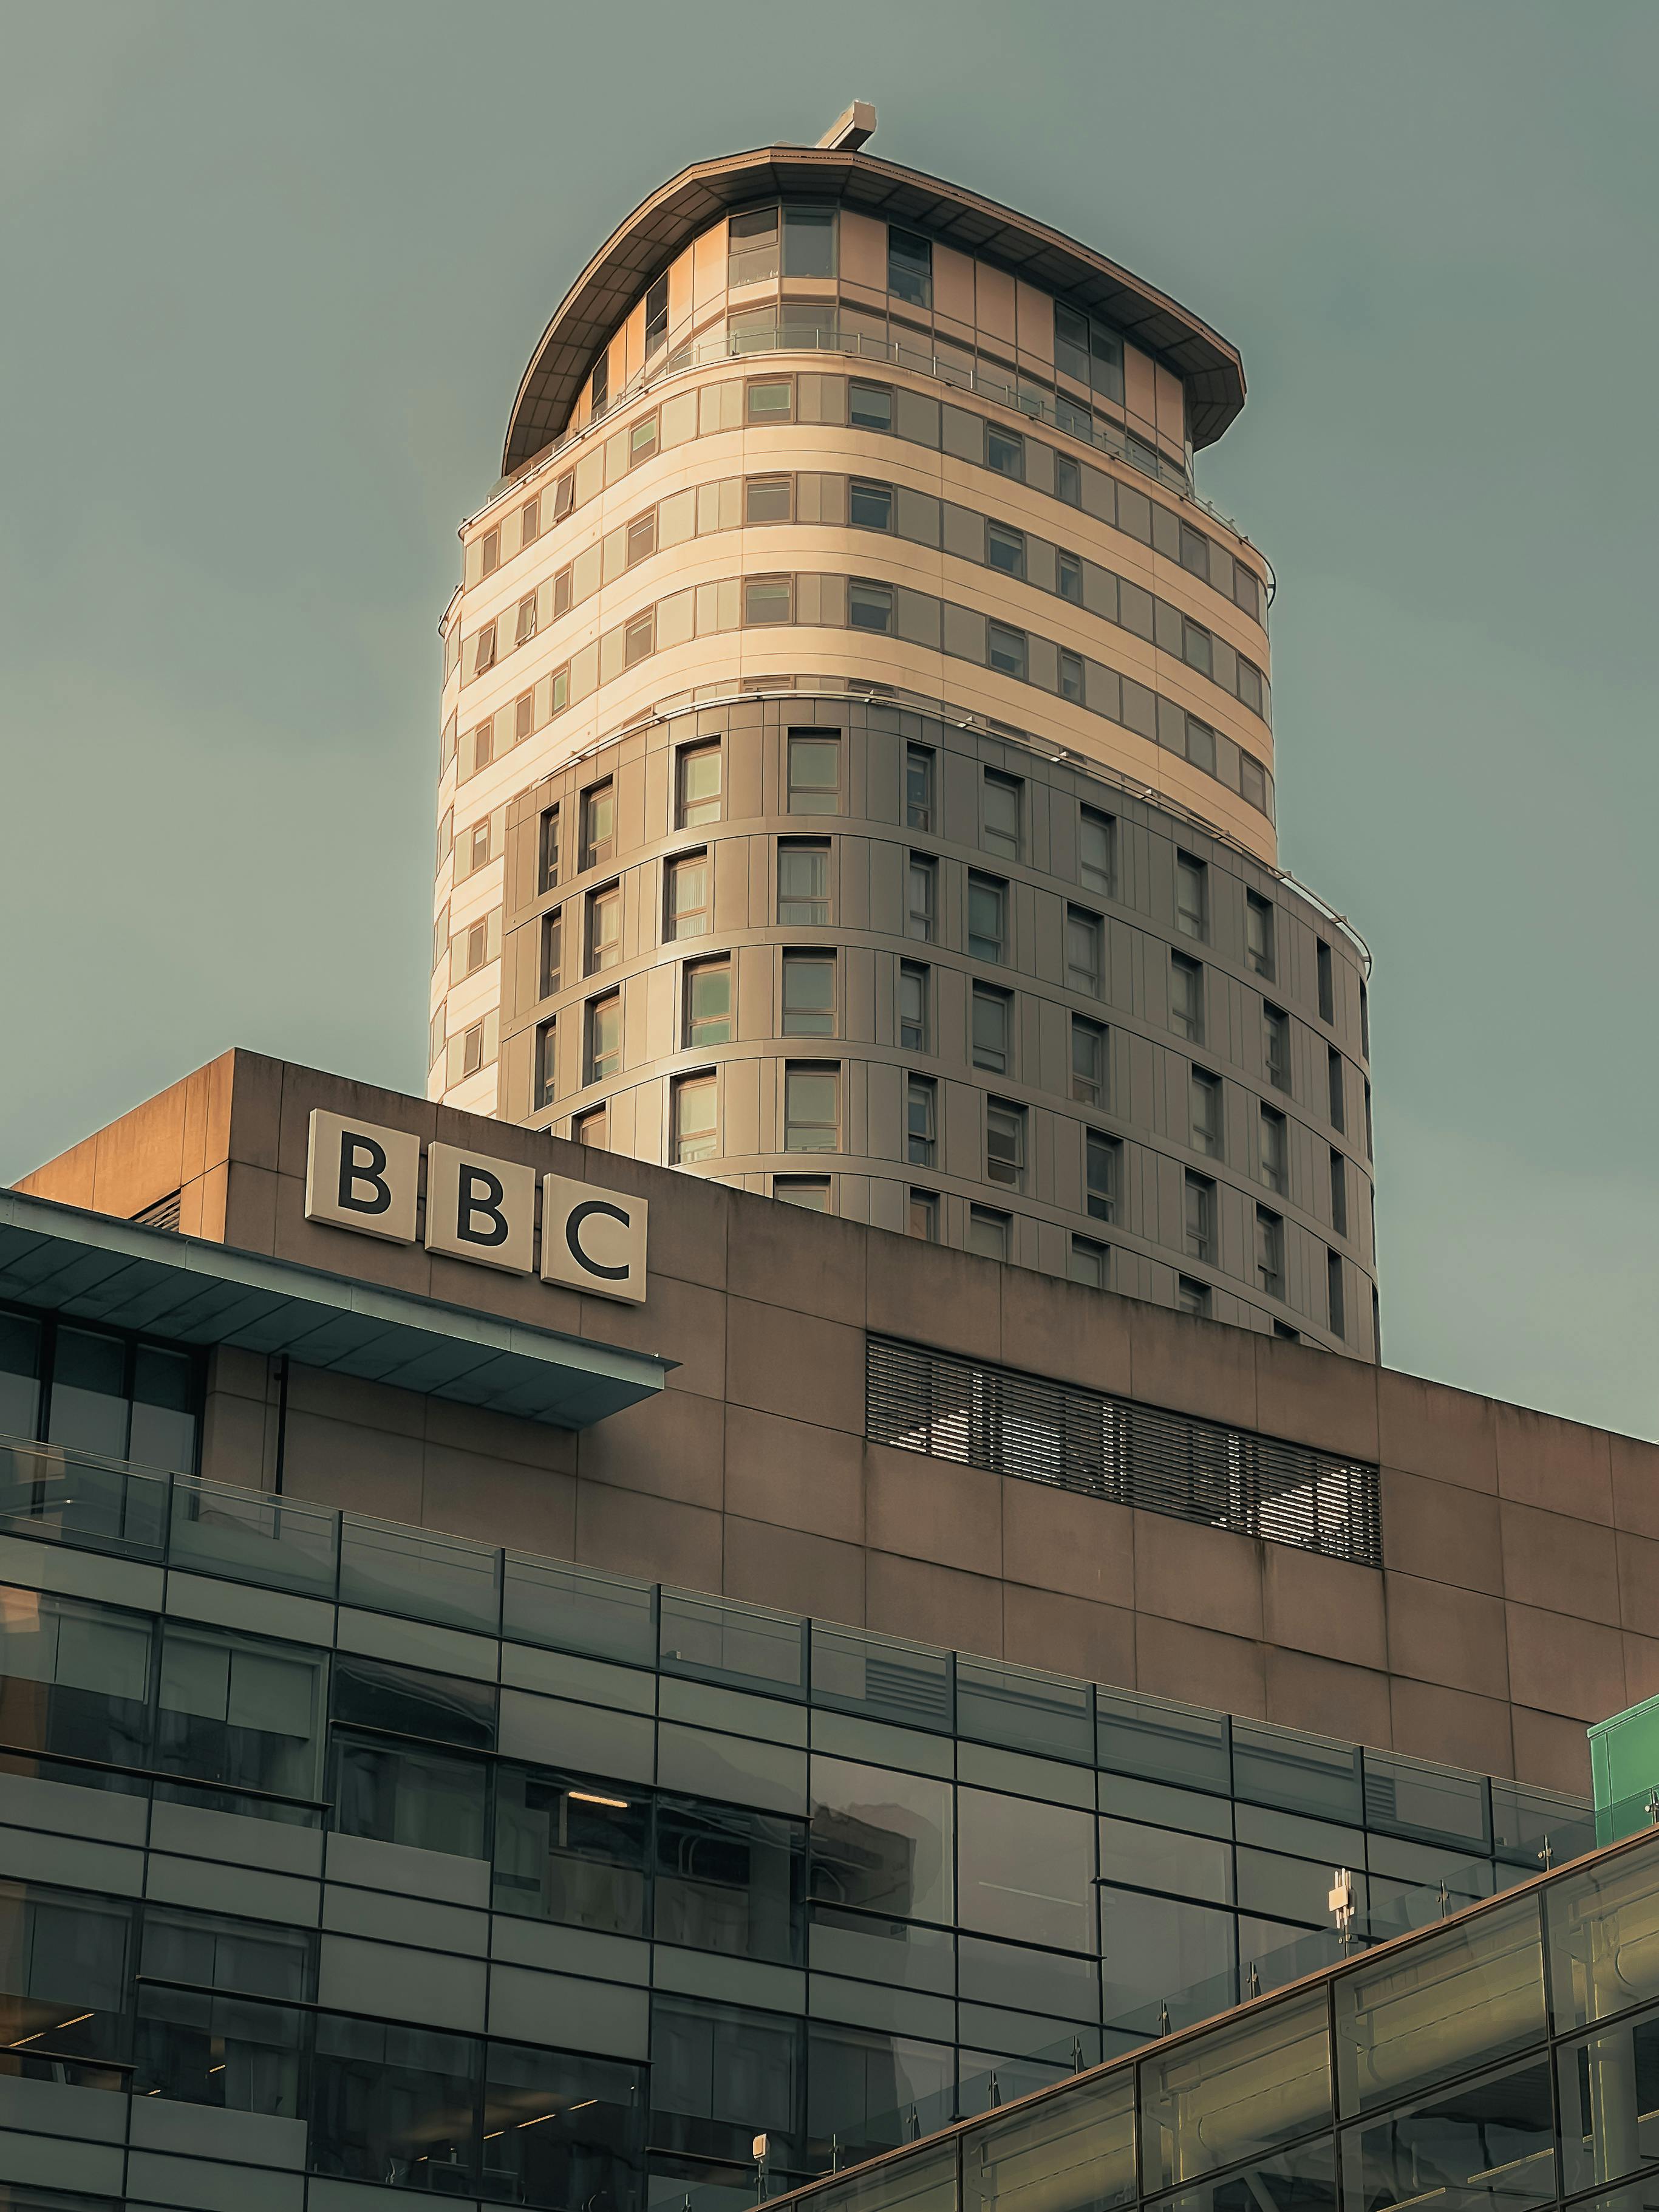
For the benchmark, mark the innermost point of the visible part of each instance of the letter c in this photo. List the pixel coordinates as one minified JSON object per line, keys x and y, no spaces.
{"x":572,"y":1240}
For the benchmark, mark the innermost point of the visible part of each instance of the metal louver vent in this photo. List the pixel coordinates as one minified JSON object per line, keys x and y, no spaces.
{"x":163,"y":1214}
{"x":922,"y":1400}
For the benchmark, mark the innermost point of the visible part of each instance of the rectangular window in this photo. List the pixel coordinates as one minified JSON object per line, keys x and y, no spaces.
{"x":751,"y":247}
{"x":552,"y":953}
{"x":1005,"y":548}
{"x":1364,"y":1019}
{"x":814,"y":772}
{"x":603,"y":928}
{"x":1088,"y":1062}
{"x":544,"y":1080}
{"x":1082,"y":950}
{"x":530,"y":521}
{"x":1258,"y":935}
{"x":656,"y":316}
{"x":992,"y":1027}
{"x":699,"y":774}
{"x":1269,"y":1253}
{"x":1191,"y":1298}
{"x":1326,"y":983}
{"x":1004,"y":452}
{"x":524,"y":716}
{"x":920,"y":1121}
{"x":768,"y":499}
{"x":1071,"y":343}
{"x":1186,"y":998}
{"x":593,"y":1129}
{"x":1333,"y":1293}
{"x":492,"y":551}
{"x":598,"y":839}
{"x":562,"y":591}
{"x":485,"y":656}
{"x":1002,"y":807}
{"x":803,"y":882}
{"x":525,"y":628}
{"x":600,"y":388}
{"x":810,"y":1193}
{"x":1196,"y":647}
{"x":1007,"y":649}
{"x":921,"y":880}
{"x":811,"y":1107}
{"x":922,"y":1219}
{"x":1102,"y":1158}
{"x":808,"y":995}
{"x":1088,"y":1263}
{"x":1338,"y":1193}
{"x":766,"y":600}
{"x":917,"y":787}
{"x":770,"y":399}
{"x":478,"y":845}
{"x":472,"y":1049}
{"x":1371,"y":1151}
{"x":1071,"y":677}
{"x":1333,"y":1084}
{"x":693,"y":1118}
{"x":641,"y":540}
{"x":564,"y":496}
{"x":809,"y":242}
{"x":1274,"y":1158}
{"x":915,"y":1027}
{"x":988,"y":1233}
{"x":910,"y":267}
{"x":870,"y":606}
{"x":604,"y":1038}
{"x":1004,"y":1143}
{"x":1276,"y":1046}
{"x":988,"y":918}
{"x":1068,"y":571}
{"x":687,"y":906}
{"x":1204,"y":1098}
{"x":1192,"y":897}
{"x":1201,"y":1217}
{"x":1069,"y":480}
{"x":869,"y":506}
{"x":869,"y":406}
{"x":708,"y":1003}
{"x":1096,"y":854}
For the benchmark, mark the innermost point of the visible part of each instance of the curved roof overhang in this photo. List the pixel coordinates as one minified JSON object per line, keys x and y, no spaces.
{"x":662,"y":226}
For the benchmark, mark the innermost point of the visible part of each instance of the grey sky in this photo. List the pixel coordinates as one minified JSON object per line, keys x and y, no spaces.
{"x":269,"y":277}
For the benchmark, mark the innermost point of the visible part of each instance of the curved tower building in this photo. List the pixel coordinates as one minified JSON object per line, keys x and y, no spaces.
{"x":857,"y":772}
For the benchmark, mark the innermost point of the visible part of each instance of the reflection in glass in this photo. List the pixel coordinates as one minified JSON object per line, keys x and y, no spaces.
{"x":88,"y":1409}
{"x":868,"y":2092}
{"x":232,"y":2051}
{"x":394,"y":2105}
{"x":75,"y":1678}
{"x":1604,"y":1939}
{"x":1486,"y":2146}
{"x":1157,"y":1858}
{"x":1241,"y":2089}
{"x":730,"y":1880}
{"x":64,"y":1972}
{"x":561,"y":2130}
{"x":1299,"y":2180}
{"x":1071,"y":2153}
{"x":1609,"y":2090}
{"x":570,"y":1850}
{"x":432,"y":1801}
{"x":880,"y":1840}
{"x":245,"y":1714}
{"x":1162,"y":1741}
{"x":1026,"y":1871}
{"x":1159,"y":1954}
{"x":719,"y":2076}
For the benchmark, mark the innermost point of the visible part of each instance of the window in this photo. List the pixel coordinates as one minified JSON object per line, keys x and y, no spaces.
{"x":1071,"y":677}
{"x":809,"y":242}
{"x":810,"y":1193}
{"x":751,"y":247}
{"x":910,"y":267}
{"x":1002,"y":810}
{"x":239,"y":1711}
{"x":1186,"y":998}
{"x":483,"y":745}
{"x":492,"y":551}
{"x":472,"y":948}
{"x":1338,"y":1193}
{"x":991,"y":1030}
{"x":808,"y":995}
{"x":766,"y":600}
{"x":485,"y":656}
{"x":530,"y":521}
{"x":1192,"y":897}
{"x":561,"y":588}
{"x":1004,"y":1143}
{"x":603,"y":928}
{"x":770,"y":399}
{"x":1326,"y":983}
{"x":1333,"y":1084}
{"x":988,"y":1233}
{"x":814,"y":772}
{"x":524,"y":716}
{"x":699,"y":771}
{"x":1333,"y":1293}
{"x":914,"y":1028}
{"x":1258,"y":935}
{"x":598,"y":838}
{"x":870,"y":606}
{"x":1005,"y":548}
{"x":656,"y":315}
{"x":920,"y":1121}
{"x":1276,"y":1046}
{"x":471,"y":1053}
{"x":869,"y":406}
{"x":552,"y":953}
{"x":1204,"y":1099}
{"x":1096,"y":839}
{"x":525,"y":627}
{"x":1370,"y":1153}
{"x":1196,"y":647}
{"x":436,"y":1036}
{"x":1004,"y":452}
{"x":812,"y":1106}
{"x":600,"y":389}
{"x":987,"y":923}
{"x":1269,"y":1253}
{"x":593,"y":1129}
{"x":604,"y":1038}
{"x":922,"y":1219}
{"x":1082,"y":950}
{"x":1088,"y":1263}
{"x":1068,"y":575}
{"x":1191,"y":1298}
{"x":768,"y":499}
{"x":642,"y":442}
{"x":869,"y":506}
{"x":708,"y":1003}
{"x":1007,"y":649}
{"x":803,"y":882}
{"x":1364,"y":1019}
{"x":641,"y":540}
{"x":1201,"y":1217}
{"x":1088,"y":1062}
{"x":1069,"y":480}
{"x":564,"y":496}
{"x":478,"y":845}
{"x":1275,"y":1171}
{"x":1103,"y":1157}
{"x":693,"y":1118}
{"x":544,"y":1080}
{"x":687,"y":906}
{"x":922,"y":885}
{"x":917,"y":787}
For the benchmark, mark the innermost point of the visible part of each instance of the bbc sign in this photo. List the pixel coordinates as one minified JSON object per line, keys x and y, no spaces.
{"x":366,"y":1178}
